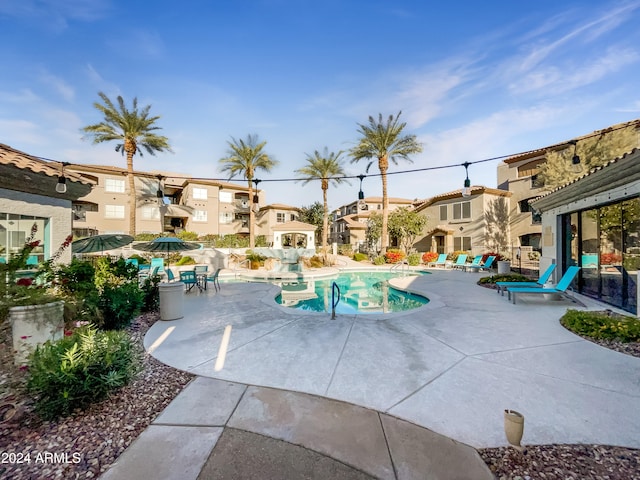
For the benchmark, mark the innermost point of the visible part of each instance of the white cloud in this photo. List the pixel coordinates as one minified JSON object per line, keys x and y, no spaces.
{"x":58,"y":84}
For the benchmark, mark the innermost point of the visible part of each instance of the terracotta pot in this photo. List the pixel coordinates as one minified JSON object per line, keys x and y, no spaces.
{"x":514,"y":428}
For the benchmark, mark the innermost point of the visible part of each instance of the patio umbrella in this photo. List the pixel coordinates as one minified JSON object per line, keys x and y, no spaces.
{"x":166,"y":245}
{"x":100,"y":243}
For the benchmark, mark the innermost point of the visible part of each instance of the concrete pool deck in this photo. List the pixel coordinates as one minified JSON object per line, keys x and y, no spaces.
{"x":450,"y":367}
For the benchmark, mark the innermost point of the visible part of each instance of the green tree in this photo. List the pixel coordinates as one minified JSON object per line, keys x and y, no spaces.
{"x":326,"y":167}
{"x":314,"y":214}
{"x":496,"y":219}
{"x":134,"y":129}
{"x":384,"y":141}
{"x":374,"y":231}
{"x":593,"y":152}
{"x":406,"y":224}
{"x":245,"y":157}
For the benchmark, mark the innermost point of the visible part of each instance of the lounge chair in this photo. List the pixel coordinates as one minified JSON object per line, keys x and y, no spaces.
{"x":158,"y":262}
{"x":148,"y":273}
{"x":190,"y":280}
{"x":132,"y":261}
{"x":478,"y":267}
{"x":560,"y":288}
{"x":460,"y":261}
{"x":440,"y":261}
{"x":502,"y":286}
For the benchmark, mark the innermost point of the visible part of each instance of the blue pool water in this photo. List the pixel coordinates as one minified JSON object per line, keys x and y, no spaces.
{"x":361,"y":292}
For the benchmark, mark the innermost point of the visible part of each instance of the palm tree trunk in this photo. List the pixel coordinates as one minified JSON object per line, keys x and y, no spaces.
{"x":252,"y":240}
{"x":325,"y":221}
{"x":132,"y":191}
{"x":383,"y":164}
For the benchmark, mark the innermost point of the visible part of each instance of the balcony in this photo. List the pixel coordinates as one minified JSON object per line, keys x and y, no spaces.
{"x":242,"y":205}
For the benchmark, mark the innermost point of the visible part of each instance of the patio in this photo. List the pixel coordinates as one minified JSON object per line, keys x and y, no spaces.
{"x":452,"y":366}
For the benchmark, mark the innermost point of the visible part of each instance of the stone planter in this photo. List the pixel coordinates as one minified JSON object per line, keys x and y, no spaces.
{"x":33,"y":325}
{"x":504,"y":267}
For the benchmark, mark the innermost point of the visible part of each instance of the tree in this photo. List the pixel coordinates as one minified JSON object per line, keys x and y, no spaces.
{"x":245,"y":157}
{"x":384,"y":141}
{"x":314,"y":214}
{"x":593,"y":151}
{"x":496,"y":219}
{"x":326,"y":167}
{"x":374,"y":231}
{"x":406,"y":224}
{"x":134,"y":129}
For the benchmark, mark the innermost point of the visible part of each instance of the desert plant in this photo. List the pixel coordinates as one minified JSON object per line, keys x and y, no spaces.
{"x":602,"y":325}
{"x":358,"y":257}
{"x":80,"y":369}
{"x":316,"y":262}
{"x":379,"y":260}
{"x":413,"y":259}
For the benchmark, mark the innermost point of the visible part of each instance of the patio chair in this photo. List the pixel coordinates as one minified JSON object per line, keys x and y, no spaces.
{"x":477,"y":268}
{"x":190,"y":280}
{"x":502,"y":286}
{"x":148,"y":273}
{"x":560,"y":288}
{"x":201,"y":269}
{"x":32,"y":261}
{"x":214,"y":278}
{"x":170,"y":276}
{"x":440,"y":261}
{"x":460,"y":261}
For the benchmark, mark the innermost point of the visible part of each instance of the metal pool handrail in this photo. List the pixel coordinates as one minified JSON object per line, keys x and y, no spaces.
{"x":334,"y":301}
{"x":399,"y":264}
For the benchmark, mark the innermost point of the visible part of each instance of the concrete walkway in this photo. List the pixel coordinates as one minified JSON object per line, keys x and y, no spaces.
{"x":450,"y":367}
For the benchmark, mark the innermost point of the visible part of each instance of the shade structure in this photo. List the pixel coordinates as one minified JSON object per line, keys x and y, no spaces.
{"x":100,"y":243}
{"x":166,"y":245}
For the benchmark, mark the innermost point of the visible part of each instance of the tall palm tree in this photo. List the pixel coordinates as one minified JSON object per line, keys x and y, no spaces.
{"x":135,"y":129}
{"x":326,"y":167}
{"x":245,"y":157}
{"x":383,"y":141}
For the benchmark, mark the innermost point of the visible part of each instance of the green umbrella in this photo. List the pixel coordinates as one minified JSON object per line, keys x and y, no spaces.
{"x":166,"y":245}
{"x":100,"y":243}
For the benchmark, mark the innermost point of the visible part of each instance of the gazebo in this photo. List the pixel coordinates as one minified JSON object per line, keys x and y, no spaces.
{"x":293,"y":234}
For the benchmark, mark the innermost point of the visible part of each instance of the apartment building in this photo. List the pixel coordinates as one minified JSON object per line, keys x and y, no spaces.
{"x":349,"y":222}
{"x":165,"y":203}
{"x":519,"y":175}
{"x":458,"y":223}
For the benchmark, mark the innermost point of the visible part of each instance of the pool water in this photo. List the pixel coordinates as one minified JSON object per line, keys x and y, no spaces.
{"x":361,"y":292}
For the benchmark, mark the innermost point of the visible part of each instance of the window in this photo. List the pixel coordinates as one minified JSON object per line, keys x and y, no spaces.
{"x":226,"y":217}
{"x":114,"y":211}
{"x":443,"y":212}
{"x":462,"y":211}
{"x":536,"y":216}
{"x":536,"y":181}
{"x":524,"y":206}
{"x":531,"y":168}
{"x":225,"y":197}
{"x":114,"y":185}
{"x":462,"y":243}
{"x":150,"y":213}
{"x":292,"y":217}
{"x":199,"y":215}
{"x":280,"y":217}
{"x":200,"y":193}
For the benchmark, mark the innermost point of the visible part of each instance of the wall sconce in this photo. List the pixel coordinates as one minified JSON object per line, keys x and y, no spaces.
{"x":61,"y":186}
{"x":576,"y":167}
{"x":466,"y":190}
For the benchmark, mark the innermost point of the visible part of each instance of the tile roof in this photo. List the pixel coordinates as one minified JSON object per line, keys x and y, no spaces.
{"x":475,"y":189}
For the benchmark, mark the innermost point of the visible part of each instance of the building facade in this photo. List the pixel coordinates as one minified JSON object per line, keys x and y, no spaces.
{"x":594,"y":223}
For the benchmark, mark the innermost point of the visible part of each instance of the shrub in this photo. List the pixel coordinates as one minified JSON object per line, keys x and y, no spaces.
{"x":186,"y":260}
{"x":507,"y":277}
{"x":499,"y":257}
{"x":316,"y":262}
{"x":413,"y":259}
{"x":379,"y":260}
{"x":394,"y":255}
{"x":120,"y":304}
{"x":146,"y":237}
{"x":428,"y":257}
{"x":150,"y":294}
{"x":533,"y":255}
{"x":346,"y":250}
{"x":358,"y":257}
{"x":188,"y":236}
{"x":602,"y":325}
{"x":80,"y":369}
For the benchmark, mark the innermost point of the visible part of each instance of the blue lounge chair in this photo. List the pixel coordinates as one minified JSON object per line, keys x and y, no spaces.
{"x":132,"y":261}
{"x":440,"y":261}
{"x":170,"y":276}
{"x":560,"y":288}
{"x":502,"y":286}
{"x":460,"y":261}
{"x":485,"y":266}
{"x":158,"y":262}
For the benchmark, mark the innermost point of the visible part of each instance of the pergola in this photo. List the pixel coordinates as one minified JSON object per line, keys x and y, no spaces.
{"x":293,"y":235}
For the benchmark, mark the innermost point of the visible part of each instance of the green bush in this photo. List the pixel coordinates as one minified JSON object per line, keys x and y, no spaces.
{"x":358,"y":257}
{"x":602,"y":325}
{"x":345,"y":249}
{"x":146,"y":237}
{"x":80,"y":369}
{"x":120,"y":304}
{"x":414,"y":259}
{"x":186,"y":260}
{"x":379,"y":260}
{"x":507,"y":277}
{"x":151,"y":294}
{"x":188,"y":236}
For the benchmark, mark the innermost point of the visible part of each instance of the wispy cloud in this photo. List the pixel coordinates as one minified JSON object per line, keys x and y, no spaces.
{"x":65,"y":90}
{"x":141,"y":44}
{"x":55,"y":14}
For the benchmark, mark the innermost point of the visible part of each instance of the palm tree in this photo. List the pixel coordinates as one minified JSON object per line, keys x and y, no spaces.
{"x":326,"y":167}
{"x":135,"y":129}
{"x":383,"y":141}
{"x":245,"y":157}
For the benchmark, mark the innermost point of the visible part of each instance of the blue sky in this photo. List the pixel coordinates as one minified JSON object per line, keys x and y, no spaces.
{"x":474,"y":80}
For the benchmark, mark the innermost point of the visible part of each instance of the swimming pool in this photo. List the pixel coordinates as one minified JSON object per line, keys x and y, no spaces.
{"x":361,"y":292}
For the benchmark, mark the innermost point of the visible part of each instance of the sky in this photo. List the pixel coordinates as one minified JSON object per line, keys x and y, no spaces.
{"x":473,"y":80}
